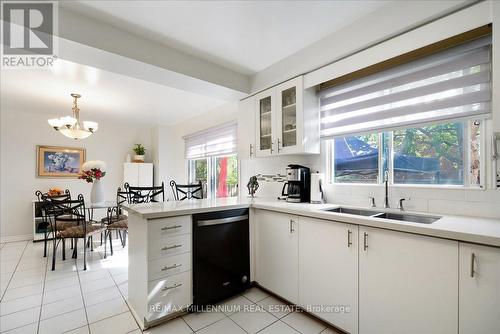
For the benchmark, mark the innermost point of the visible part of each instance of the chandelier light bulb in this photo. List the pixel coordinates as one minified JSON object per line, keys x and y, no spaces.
{"x":70,"y":126}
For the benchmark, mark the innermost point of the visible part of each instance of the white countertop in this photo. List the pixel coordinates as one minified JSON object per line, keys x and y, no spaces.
{"x":470,"y":229}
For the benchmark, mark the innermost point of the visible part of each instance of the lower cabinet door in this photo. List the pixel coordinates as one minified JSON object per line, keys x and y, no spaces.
{"x":328,"y":271}
{"x":407,"y":283}
{"x":168,"y":295}
{"x":479,"y":281}
{"x":277,"y":248}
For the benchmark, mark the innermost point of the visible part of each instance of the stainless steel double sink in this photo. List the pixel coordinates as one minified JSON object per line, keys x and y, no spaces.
{"x":402,"y":217}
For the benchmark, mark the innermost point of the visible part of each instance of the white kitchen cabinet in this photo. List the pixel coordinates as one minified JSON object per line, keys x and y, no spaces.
{"x":287,"y":120}
{"x":407,"y":283}
{"x":328,"y":271}
{"x":246,"y":128}
{"x":138,"y":174}
{"x":479,"y":289}
{"x":159,"y":271}
{"x":277,"y":252}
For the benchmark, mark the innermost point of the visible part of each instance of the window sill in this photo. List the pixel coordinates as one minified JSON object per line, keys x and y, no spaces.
{"x":418,"y":186}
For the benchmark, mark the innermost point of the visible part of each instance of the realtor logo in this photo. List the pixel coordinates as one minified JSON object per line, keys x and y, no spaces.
{"x":28,"y":33}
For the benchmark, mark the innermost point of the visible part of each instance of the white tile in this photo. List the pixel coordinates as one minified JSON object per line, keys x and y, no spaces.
{"x":303,"y":323}
{"x":89,"y":275}
{"x":123,"y":289}
{"x":8,"y":266}
{"x":20,"y":304}
{"x":102,"y":295}
{"x":234,"y":304}
{"x":330,"y":331}
{"x":60,"y":294}
{"x":119,"y":324}
{"x":253,"y":319}
{"x":61,"y":283}
{"x":255,"y":294}
{"x":81,"y":330}
{"x":106,"y":309}
{"x":276,"y":307}
{"x":24,"y":291}
{"x":19,"y":319}
{"x":174,"y":326}
{"x":61,"y":307}
{"x":63,"y":323}
{"x":28,"y":329}
{"x":224,"y":326}
{"x":120,"y":279}
{"x":279,"y":327}
{"x":97,"y":284}
{"x":20,"y":282}
{"x":202,"y":319}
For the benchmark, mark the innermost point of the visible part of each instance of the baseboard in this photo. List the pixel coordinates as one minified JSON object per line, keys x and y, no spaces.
{"x":14,"y":238}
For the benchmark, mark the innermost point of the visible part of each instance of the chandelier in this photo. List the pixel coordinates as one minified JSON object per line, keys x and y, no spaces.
{"x":71,"y":127}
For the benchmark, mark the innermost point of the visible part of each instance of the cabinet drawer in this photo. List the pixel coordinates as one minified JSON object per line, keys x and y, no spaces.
{"x":169,"y":226}
{"x":168,"y":266}
{"x":169,"y":246}
{"x":168,"y":295}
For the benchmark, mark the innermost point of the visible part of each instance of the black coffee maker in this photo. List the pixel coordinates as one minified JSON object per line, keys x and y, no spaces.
{"x":297,"y":187}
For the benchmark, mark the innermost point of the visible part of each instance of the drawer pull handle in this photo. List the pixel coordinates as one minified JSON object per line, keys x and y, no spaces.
{"x":170,"y":247}
{"x":171,"y":287}
{"x":472,"y":263}
{"x":166,"y":228}
{"x":365,"y":241}
{"x":171,"y":267}
{"x":349,"y":241}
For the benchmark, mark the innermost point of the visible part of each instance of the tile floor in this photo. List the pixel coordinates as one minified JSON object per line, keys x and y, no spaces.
{"x":35,"y":299}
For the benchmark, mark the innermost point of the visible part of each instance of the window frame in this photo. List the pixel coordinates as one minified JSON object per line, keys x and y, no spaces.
{"x":211,"y":183}
{"x":390,"y":161}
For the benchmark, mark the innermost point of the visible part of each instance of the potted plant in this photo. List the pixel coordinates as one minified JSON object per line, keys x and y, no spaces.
{"x":92,"y":172}
{"x":139,"y":153}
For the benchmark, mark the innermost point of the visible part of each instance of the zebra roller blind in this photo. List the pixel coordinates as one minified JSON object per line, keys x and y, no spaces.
{"x":451,"y":84}
{"x":219,"y":140}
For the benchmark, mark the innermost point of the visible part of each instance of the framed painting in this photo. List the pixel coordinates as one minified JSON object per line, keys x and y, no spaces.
{"x":56,"y":162}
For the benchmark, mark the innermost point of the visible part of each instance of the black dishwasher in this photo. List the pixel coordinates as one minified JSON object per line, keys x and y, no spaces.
{"x":221,"y":255}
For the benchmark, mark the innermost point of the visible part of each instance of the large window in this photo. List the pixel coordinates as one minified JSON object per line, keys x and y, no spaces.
{"x":219,"y":175}
{"x":211,"y":156}
{"x":440,"y":154}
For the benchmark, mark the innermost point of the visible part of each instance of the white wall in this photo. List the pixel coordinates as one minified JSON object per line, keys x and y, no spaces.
{"x":169,"y":143}
{"x":22,"y":131}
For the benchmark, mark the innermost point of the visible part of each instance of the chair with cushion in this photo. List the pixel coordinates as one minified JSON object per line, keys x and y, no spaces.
{"x":49,"y":229}
{"x":70,"y":211}
{"x":116,"y":220}
{"x":186,"y":191}
{"x":144,"y":194}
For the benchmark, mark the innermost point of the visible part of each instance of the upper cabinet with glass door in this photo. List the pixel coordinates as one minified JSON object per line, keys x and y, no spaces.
{"x":287,"y":120}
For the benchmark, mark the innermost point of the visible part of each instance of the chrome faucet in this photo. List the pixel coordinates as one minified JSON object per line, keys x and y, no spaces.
{"x":386,"y":183}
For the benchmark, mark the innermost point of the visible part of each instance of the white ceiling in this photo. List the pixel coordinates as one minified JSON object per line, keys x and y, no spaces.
{"x":105,"y":95}
{"x":245,"y":36}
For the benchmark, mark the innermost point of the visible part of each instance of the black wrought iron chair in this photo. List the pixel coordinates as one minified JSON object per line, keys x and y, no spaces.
{"x":64,"y":211}
{"x":48,"y":229}
{"x":186,"y":191}
{"x":116,"y":220}
{"x":144,"y":194}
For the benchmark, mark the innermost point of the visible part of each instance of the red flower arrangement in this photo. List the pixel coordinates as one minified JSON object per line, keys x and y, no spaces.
{"x":93,"y":170}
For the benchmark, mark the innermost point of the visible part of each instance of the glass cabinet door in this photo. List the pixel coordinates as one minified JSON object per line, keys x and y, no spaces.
{"x":265,"y":123}
{"x":289,"y":117}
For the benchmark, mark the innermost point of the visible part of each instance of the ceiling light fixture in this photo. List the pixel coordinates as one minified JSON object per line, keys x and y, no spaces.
{"x":71,"y":127}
